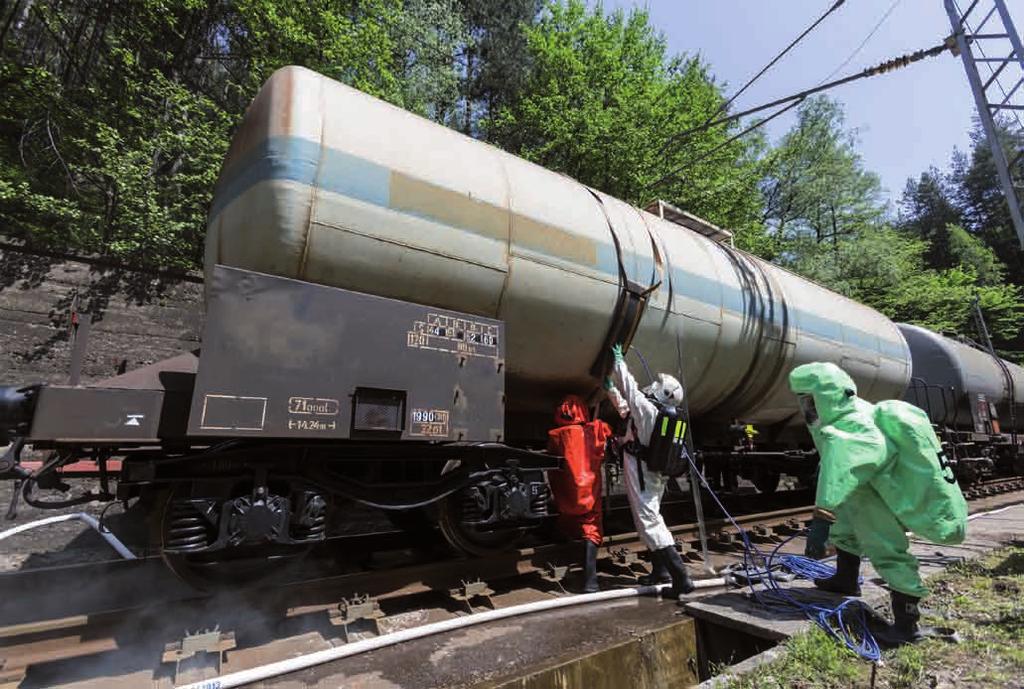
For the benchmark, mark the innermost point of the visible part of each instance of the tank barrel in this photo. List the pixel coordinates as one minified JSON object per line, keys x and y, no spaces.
{"x":328,"y":185}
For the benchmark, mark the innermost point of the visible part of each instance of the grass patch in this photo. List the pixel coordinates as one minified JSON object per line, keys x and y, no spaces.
{"x":982,"y":599}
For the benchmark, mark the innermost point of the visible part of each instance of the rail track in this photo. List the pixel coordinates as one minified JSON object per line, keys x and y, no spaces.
{"x":94,"y":621}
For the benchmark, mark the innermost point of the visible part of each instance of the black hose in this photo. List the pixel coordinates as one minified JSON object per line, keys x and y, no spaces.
{"x":643,"y":361}
{"x":51,"y":464}
{"x":89,"y":496}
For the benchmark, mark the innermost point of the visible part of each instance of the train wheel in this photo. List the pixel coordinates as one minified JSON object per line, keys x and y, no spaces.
{"x":452,"y":511}
{"x":213,"y":571}
{"x":469,"y":539}
{"x":182,"y":529}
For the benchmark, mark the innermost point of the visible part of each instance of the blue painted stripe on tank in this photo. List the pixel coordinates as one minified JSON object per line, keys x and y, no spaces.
{"x":607,"y":261}
{"x":356,"y":177}
{"x":293,"y":159}
{"x":297,"y":160}
{"x":705,"y":290}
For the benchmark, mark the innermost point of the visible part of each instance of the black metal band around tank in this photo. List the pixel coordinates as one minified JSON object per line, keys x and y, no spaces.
{"x":629,"y":308}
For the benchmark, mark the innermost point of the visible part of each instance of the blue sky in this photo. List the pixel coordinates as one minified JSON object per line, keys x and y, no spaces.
{"x":907,"y":120}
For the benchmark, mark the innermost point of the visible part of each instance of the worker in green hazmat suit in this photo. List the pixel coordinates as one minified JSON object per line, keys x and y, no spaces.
{"x":881,"y":473}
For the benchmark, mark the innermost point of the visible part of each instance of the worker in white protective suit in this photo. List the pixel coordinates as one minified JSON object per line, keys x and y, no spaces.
{"x":645,"y":487}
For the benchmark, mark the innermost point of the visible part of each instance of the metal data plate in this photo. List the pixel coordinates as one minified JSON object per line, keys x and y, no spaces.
{"x":289,"y":359}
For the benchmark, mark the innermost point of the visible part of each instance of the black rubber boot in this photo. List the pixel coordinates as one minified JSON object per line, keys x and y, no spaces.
{"x":905,"y":629}
{"x":590,"y":567}
{"x":844,"y":581}
{"x":681,"y":582}
{"x":659,"y":572}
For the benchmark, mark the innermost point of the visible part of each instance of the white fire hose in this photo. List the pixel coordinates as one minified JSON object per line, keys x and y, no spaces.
{"x":281,"y":667}
{"x":303,"y":662}
{"x":109,"y":537}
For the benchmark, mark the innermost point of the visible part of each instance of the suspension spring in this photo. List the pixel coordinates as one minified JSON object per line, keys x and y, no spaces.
{"x":187,"y":529}
{"x":472,"y":505}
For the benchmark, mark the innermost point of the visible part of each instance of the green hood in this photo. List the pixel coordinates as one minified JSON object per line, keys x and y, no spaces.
{"x":833,"y":390}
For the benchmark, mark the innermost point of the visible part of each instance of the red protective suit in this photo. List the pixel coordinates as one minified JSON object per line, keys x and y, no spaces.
{"x":577,"y":488}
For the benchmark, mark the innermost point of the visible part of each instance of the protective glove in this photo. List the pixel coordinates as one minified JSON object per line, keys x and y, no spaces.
{"x":617,"y":353}
{"x":817,"y":536}
{"x":609,"y":384}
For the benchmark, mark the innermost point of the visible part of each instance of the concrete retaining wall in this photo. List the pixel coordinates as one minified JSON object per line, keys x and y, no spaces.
{"x":139,"y":317}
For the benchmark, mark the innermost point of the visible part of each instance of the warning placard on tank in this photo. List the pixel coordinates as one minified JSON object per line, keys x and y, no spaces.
{"x":456,"y":335}
{"x":431,"y":423}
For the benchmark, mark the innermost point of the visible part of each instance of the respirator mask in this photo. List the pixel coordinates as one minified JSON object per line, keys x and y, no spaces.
{"x":810,"y":411}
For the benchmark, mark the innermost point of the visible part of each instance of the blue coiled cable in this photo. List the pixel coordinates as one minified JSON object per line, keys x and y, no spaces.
{"x":846,"y":622}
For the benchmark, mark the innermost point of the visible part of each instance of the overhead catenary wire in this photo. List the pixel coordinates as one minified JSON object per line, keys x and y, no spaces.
{"x":856,"y":51}
{"x":771,"y":63}
{"x":881,"y":68}
{"x":673,"y":174}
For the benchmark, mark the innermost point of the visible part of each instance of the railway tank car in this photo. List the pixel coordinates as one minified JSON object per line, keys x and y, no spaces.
{"x":392,"y":309}
{"x":328,"y":185}
{"x":973,"y":398}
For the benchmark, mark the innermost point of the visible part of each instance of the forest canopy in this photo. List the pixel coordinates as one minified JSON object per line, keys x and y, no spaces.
{"x":115,"y":117}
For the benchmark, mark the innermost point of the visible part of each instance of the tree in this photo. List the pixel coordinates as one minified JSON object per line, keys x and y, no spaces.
{"x":963,"y":216}
{"x":429,"y":34}
{"x":495,"y":57}
{"x":980,"y":197}
{"x":970,"y":252}
{"x":115,"y":117}
{"x":601,"y":99}
{"x":929,"y":211}
{"x":887,"y":269}
{"x":814,"y":185}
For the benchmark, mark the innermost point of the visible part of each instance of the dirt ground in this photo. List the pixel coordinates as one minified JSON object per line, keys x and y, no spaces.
{"x":67,"y":542}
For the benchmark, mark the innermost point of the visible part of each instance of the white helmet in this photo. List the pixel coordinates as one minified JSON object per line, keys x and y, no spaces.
{"x":665,"y":390}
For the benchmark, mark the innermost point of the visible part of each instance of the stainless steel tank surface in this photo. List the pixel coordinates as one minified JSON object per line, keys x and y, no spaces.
{"x":948,"y":376}
{"x":327,"y":184}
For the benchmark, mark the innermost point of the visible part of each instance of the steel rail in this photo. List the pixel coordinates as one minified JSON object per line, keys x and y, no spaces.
{"x":49,"y":639}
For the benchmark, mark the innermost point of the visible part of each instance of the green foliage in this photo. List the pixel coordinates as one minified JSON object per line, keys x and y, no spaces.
{"x":929,"y":211}
{"x":115,"y":117}
{"x":971,"y":252}
{"x":812,"y":659}
{"x":980,"y":197}
{"x":887,"y":270}
{"x":964,"y":218}
{"x":814,"y":183}
{"x":600,"y":100}
{"x":352,"y":41}
{"x":495,"y":60}
{"x":827,"y":220}
{"x":429,"y":34}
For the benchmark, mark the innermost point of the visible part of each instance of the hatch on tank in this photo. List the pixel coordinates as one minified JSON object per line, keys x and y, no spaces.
{"x":674,"y":214}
